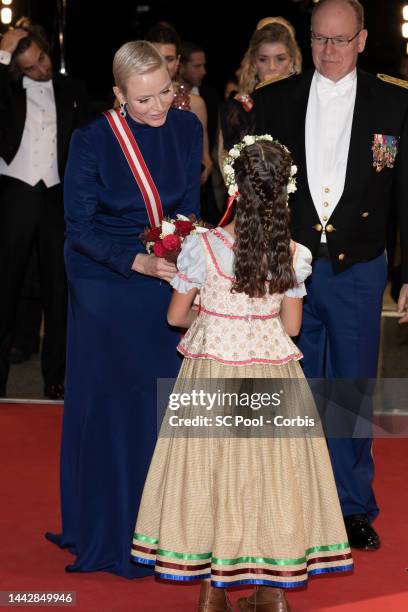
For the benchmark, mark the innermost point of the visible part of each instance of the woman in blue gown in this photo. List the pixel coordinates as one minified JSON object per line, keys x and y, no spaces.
{"x":119,"y":342}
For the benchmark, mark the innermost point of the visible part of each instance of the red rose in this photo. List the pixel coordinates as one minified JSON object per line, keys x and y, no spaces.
{"x":153,"y":235}
{"x":171,"y":242}
{"x":159,"y":250}
{"x":184,"y":227}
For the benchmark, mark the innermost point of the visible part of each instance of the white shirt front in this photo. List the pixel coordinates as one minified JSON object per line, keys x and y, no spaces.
{"x":36,"y":158}
{"x":329,"y":120}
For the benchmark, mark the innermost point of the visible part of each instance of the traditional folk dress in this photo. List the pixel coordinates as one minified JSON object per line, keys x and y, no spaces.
{"x":239,"y":510}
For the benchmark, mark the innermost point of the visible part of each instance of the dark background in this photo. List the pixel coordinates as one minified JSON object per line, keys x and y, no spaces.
{"x":95,"y":29}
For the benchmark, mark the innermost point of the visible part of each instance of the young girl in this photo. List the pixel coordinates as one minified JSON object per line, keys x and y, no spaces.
{"x":243,"y":510}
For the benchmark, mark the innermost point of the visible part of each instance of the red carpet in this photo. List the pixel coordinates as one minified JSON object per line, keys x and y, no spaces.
{"x":29,"y":449}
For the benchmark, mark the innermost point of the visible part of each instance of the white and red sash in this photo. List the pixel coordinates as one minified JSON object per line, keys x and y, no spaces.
{"x":137,"y":165}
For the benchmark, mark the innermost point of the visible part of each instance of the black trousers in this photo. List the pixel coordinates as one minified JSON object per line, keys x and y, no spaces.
{"x":29,"y":309}
{"x":33,"y":217}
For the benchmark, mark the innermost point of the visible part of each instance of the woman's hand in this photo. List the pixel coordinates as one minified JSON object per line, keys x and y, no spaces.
{"x":154,"y":266}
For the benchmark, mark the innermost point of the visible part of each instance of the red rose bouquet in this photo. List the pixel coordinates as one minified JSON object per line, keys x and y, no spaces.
{"x":166,"y":239}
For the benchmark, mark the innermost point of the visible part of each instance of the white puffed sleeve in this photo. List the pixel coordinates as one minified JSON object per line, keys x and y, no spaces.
{"x":191,"y":265}
{"x":303,"y":269}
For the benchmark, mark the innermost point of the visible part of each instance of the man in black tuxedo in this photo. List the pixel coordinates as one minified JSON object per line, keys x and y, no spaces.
{"x":38,"y":112}
{"x":348,"y":133}
{"x":191,"y":72}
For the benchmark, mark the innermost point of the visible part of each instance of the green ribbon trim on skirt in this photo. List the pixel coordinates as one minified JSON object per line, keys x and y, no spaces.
{"x":143,"y":538}
{"x":267,"y":561}
{"x":260,"y":560}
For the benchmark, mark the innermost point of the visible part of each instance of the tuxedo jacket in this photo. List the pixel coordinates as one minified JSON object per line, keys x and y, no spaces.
{"x":71,"y":107}
{"x":357,"y":225}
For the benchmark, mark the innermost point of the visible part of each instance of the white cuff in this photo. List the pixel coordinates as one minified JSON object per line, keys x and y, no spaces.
{"x":5,"y":57}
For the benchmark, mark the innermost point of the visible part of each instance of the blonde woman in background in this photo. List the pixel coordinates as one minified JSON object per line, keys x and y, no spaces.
{"x":273,"y":53}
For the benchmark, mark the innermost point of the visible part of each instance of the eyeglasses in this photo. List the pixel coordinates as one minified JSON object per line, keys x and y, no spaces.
{"x":337,"y":41}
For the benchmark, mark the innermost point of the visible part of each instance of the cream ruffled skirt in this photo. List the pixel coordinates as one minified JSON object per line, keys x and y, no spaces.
{"x":242,"y":510}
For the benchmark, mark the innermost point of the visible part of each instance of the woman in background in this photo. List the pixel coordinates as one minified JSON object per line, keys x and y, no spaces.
{"x":273,"y":53}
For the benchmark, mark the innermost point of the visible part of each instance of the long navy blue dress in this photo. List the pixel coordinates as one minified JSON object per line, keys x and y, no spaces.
{"x":119,"y":342}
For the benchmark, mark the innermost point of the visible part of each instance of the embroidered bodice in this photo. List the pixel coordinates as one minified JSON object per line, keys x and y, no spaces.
{"x":231,"y":327}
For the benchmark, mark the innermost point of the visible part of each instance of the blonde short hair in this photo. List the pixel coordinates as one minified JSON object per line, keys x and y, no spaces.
{"x":136,"y":57}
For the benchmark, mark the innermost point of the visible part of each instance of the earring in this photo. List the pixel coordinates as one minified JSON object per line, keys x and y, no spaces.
{"x":122,"y":109}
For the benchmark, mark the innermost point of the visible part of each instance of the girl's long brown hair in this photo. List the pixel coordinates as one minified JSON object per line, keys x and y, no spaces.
{"x":263,"y":257}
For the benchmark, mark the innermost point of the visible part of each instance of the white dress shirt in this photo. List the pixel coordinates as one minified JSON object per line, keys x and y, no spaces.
{"x":329,"y":120}
{"x":36,"y":158}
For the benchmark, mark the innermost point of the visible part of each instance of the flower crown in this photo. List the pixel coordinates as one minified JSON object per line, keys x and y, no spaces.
{"x":235,"y":152}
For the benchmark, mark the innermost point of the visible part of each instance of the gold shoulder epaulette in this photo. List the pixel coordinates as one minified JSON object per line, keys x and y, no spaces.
{"x":272,"y":80}
{"x":393,"y":80}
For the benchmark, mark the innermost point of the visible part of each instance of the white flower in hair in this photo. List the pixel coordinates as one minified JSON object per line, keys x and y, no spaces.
{"x":235,"y":152}
{"x":249,"y":140}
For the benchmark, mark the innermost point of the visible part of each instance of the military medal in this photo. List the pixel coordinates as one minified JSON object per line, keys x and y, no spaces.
{"x":384,"y":150}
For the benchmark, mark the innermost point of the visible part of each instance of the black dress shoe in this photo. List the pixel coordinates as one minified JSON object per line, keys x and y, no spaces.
{"x":360,"y":533}
{"x":54,"y":392}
